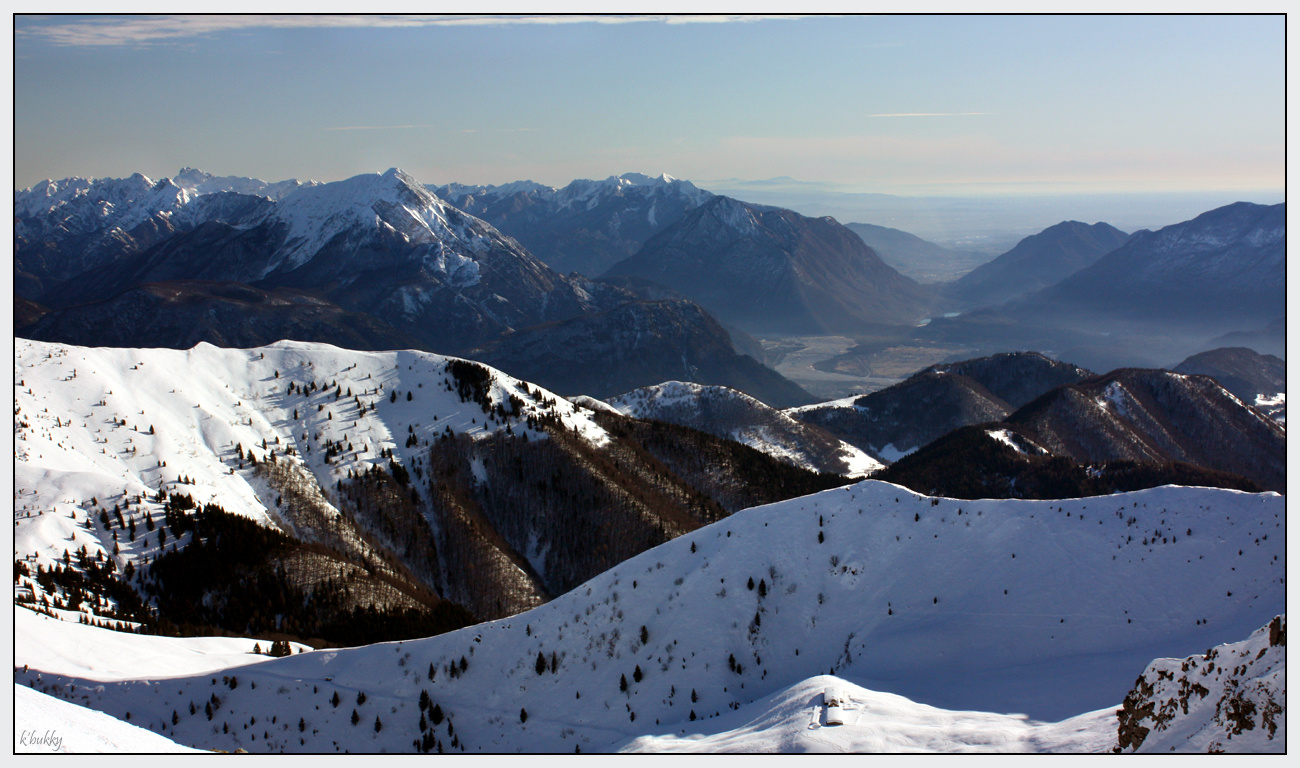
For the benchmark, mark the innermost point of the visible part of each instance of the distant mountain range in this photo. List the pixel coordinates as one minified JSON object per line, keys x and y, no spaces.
{"x":587,"y":226}
{"x":372,"y":262}
{"x":1214,"y":281}
{"x":1223,"y":268}
{"x":1037,"y":262}
{"x":772,"y":270}
{"x":921,"y":260}
{"x":378,"y":243}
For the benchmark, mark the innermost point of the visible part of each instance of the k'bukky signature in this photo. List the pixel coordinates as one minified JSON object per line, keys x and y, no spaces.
{"x":49,"y":739}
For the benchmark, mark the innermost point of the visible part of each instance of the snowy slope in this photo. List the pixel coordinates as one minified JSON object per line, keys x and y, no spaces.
{"x":46,"y":725}
{"x":392,"y":202}
{"x":1045,"y":608}
{"x":727,"y":413}
{"x":1232,"y":698}
{"x":794,"y":720}
{"x":97,"y":427}
{"x":68,"y":648}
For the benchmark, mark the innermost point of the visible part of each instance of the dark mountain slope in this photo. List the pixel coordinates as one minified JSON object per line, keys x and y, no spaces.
{"x":994,"y":461}
{"x":1221,"y":271}
{"x":1157,"y":416}
{"x":771,"y":270}
{"x":1243,"y":372}
{"x":1037,"y":262}
{"x":635,"y":345}
{"x":181,"y":314}
{"x":941,"y":398}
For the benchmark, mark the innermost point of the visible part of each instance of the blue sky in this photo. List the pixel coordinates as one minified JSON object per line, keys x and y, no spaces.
{"x":899,"y":105}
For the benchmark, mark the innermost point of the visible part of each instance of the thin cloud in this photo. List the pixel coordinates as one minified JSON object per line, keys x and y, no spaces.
{"x":929,"y":114}
{"x":426,"y":126}
{"x":149,"y":30}
{"x":375,"y":127}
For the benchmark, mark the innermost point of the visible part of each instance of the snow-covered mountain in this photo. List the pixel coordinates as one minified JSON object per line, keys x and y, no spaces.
{"x":1232,"y":698}
{"x":768,"y":269}
{"x":727,"y":413}
{"x":1045,"y":608}
{"x":449,"y":479}
{"x":66,"y":227}
{"x":376,"y":243}
{"x":586,"y":226}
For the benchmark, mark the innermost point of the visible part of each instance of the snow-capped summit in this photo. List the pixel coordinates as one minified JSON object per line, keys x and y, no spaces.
{"x":205,"y":183}
{"x":379,"y":243}
{"x":384,"y":204}
{"x":587,"y":225}
{"x":83,"y":205}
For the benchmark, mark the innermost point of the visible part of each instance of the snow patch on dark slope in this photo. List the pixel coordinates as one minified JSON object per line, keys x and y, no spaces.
{"x":1045,"y":608}
{"x":734,"y":415}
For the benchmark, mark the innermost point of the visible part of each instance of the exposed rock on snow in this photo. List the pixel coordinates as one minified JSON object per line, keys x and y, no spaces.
{"x":1232,"y":698}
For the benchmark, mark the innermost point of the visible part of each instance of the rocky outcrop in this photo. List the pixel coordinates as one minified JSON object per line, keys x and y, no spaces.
{"x":1230,"y":699}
